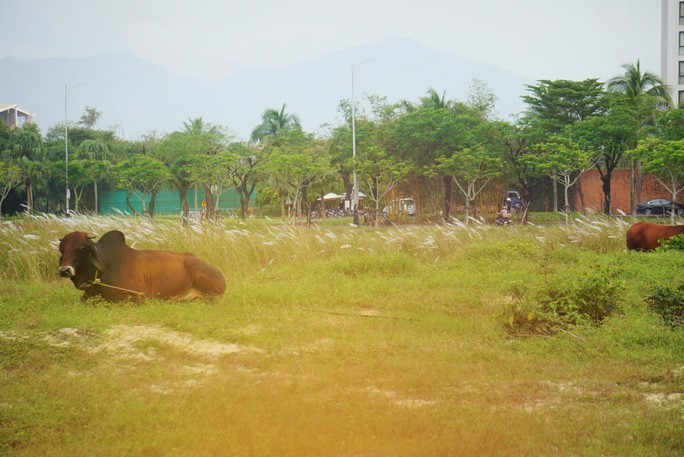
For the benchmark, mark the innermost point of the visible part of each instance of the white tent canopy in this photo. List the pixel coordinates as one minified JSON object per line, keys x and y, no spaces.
{"x":334,"y":196}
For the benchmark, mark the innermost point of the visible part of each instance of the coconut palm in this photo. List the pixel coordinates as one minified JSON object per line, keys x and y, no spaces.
{"x":96,"y":152}
{"x":197,"y":127}
{"x":646,"y":91}
{"x":90,"y":118}
{"x":635,"y":84}
{"x":272,"y":122}
{"x":432,"y":99}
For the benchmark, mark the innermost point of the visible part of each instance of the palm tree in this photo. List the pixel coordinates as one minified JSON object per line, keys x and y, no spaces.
{"x":646,"y":91}
{"x":635,"y":85}
{"x":90,"y":118}
{"x":434,"y":100}
{"x":272,"y":122}
{"x":97,"y":154}
{"x":27,"y":144}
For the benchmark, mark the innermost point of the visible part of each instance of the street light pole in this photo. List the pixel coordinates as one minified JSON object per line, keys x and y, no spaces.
{"x":355,"y":188}
{"x":66,"y":149}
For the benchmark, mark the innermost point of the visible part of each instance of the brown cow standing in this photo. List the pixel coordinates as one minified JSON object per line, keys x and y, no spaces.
{"x":118,"y":272}
{"x":644,"y":236}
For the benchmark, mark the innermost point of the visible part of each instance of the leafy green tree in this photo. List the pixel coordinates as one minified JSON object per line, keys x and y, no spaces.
{"x":519,"y":143}
{"x":96,"y":153}
{"x":646,"y":93}
{"x":341,"y":151}
{"x":670,"y":124}
{"x":381,"y":172}
{"x":472,"y":169}
{"x":369,"y":132}
{"x":294,"y":163}
{"x":176,"y":152}
{"x":10,"y":177}
{"x":554,"y":104}
{"x":565,"y":162}
{"x":432,"y":132}
{"x":27,"y":143}
{"x":610,"y":135}
{"x":244,"y":162}
{"x":481,"y":98}
{"x":272,"y":123}
{"x":185,"y":153}
{"x":665,"y":159}
{"x":142,"y":175}
{"x":79,"y":178}
{"x":208,"y":140}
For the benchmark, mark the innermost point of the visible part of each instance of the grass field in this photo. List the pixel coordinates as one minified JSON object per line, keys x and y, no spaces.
{"x":340,"y":341}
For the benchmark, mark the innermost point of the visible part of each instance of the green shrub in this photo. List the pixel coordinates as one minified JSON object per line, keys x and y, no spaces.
{"x":524,"y":315}
{"x":676,"y":243}
{"x":668,"y":302}
{"x":563,"y":302}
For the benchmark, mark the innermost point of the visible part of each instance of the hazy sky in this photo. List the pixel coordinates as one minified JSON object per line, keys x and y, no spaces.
{"x":549,"y":39}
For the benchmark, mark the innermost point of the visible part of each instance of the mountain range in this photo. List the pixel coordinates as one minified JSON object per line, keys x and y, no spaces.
{"x":136,"y":96}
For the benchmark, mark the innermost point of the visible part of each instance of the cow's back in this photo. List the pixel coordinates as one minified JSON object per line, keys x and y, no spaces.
{"x":175,"y":275}
{"x":645,"y":236}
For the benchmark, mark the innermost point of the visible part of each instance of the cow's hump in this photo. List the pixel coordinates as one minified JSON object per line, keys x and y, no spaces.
{"x":112,"y":239}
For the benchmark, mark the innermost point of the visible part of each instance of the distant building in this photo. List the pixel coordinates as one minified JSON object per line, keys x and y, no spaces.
{"x":672,"y":48}
{"x":14,"y":116}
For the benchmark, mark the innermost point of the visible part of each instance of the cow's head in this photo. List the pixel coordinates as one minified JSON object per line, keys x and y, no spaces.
{"x":79,"y":260}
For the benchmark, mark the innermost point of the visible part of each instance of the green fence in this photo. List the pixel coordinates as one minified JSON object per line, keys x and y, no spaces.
{"x":167,"y":202}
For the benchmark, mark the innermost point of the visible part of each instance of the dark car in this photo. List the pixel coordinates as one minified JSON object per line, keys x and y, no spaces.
{"x":658,"y":206}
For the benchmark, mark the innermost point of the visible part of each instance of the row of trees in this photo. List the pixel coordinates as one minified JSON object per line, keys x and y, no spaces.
{"x":568,"y":128}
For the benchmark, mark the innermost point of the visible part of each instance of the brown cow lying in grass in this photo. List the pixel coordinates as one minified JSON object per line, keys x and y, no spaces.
{"x":644,"y":236}
{"x":116,"y":271}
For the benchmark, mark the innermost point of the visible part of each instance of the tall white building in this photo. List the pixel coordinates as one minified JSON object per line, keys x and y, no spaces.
{"x":672,"y":48}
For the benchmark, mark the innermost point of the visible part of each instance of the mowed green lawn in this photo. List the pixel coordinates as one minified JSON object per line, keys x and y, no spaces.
{"x":339,"y":341}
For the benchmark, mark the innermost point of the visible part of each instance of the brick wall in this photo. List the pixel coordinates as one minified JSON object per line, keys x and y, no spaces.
{"x":592,"y":187}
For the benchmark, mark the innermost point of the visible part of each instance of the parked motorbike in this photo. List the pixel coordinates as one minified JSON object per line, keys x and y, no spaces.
{"x":503,"y":220}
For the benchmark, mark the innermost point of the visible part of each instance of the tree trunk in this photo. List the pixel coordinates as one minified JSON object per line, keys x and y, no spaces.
{"x":638,"y":184}
{"x":245,"y":197}
{"x":322,"y":211}
{"x":527,"y":197}
{"x":153,"y":200}
{"x":566,"y":200}
{"x":305,"y":202}
{"x":283,"y":211}
{"x":183,"y":193}
{"x":29,"y":195}
{"x":580,"y":191}
{"x":446,"y":187}
{"x":632,"y":184}
{"x":128,"y":203}
{"x":606,"y":193}
{"x":209,"y":198}
{"x":97,"y":205}
{"x":77,"y":197}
